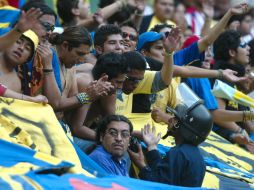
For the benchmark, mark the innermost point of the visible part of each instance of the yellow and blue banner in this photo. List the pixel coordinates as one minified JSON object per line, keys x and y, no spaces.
{"x":227,"y":166}
{"x":223,"y":90}
{"x":35,"y":153}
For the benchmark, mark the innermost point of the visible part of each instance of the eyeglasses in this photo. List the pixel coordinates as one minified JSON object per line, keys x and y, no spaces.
{"x":47,"y":26}
{"x":114,"y":133}
{"x":243,"y":44}
{"x":133,"y":79}
{"x":131,"y":37}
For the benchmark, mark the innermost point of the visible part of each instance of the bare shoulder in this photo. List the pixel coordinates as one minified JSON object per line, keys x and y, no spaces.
{"x":84,"y":68}
{"x":83,"y":80}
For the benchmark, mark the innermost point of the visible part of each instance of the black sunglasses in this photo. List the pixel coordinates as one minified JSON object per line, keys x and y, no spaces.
{"x":131,"y":37}
{"x":48,"y":27}
{"x":133,"y":79}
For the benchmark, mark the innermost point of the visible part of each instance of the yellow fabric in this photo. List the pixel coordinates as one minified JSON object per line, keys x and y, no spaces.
{"x":8,"y":8}
{"x":145,"y":86}
{"x":124,"y":106}
{"x":156,"y":21}
{"x":214,"y":145}
{"x":4,"y":25}
{"x":13,"y":183}
{"x":39,"y":126}
{"x":167,"y":97}
{"x":211,"y":181}
{"x":33,"y":37}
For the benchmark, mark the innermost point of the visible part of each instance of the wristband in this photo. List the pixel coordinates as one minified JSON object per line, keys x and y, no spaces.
{"x":2,"y":89}
{"x":18,"y":30}
{"x":248,"y":116}
{"x":83,"y":98}
{"x":167,"y":54}
{"x":220,"y":74}
{"x":47,"y":70}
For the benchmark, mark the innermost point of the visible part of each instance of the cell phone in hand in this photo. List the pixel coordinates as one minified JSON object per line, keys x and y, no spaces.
{"x":134,"y":142}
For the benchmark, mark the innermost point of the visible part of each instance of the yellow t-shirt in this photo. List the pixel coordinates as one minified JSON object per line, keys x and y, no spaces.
{"x":156,"y":21}
{"x":167,"y":97}
{"x":124,"y":104}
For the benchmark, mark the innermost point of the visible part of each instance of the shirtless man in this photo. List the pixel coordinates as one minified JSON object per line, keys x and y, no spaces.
{"x":19,"y":53}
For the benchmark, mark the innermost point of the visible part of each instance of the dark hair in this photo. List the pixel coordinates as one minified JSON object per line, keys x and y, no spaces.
{"x":64,"y":9}
{"x":111,"y":64}
{"x":228,"y":40}
{"x":135,"y":60}
{"x":45,"y":9}
{"x":102,"y":33}
{"x":103,"y":124}
{"x":147,"y":46}
{"x":74,"y":35}
{"x":159,"y":27}
{"x":120,"y":16}
{"x":129,"y":24}
{"x":32,"y":49}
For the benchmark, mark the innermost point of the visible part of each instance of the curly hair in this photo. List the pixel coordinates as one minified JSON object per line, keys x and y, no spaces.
{"x":228,"y":40}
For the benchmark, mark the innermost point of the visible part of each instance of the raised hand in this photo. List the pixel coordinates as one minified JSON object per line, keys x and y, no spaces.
{"x":140,"y":6}
{"x":46,"y":54}
{"x":240,"y":9}
{"x":29,"y":19}
{"x":171,"y":42}
{"x":150,"y":138}
{"x":208,"y":9}
{"x":230,"y":76}
{"x":98,"y":17}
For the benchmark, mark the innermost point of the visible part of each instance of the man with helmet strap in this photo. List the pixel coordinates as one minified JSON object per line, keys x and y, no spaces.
{"x":183,"y":165}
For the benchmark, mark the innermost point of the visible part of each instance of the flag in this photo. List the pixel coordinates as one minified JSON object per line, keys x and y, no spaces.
{"x":222,"y":90}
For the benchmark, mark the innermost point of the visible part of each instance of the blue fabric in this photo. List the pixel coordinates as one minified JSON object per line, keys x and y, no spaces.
{"x":9,"y":16}
{"x":225,"y":167}
{"x":182,"y":166}
{"x":23,"y":154}
{"x":148,"y":37}
{"x":56,"y":68}
{"x":68,"y":181}
{"x":202,"y":87}
{"x":188,"y":55}
{"x":4,"y":30}
{"x":106,"y":161}
{"x":88,"y":163}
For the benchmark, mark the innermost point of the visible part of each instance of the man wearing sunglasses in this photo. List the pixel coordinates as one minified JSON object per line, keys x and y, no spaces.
{"x":130,"y":36}
{"x":233,"y":53}
{"x":113,"y":138}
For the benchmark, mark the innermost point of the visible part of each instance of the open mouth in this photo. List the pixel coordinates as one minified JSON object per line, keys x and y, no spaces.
{"x":126,"y":45}
{"x":17,"y":54}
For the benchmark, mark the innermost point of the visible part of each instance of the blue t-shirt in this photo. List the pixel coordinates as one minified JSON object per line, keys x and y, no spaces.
{"x":109,"y":163}
{"x":188,"y":55}
{"x":183,"y":165}
{"x":202,"y":87}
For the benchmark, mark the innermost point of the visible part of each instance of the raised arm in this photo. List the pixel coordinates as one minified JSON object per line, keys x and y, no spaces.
{"x":27,"y":21}
{"x":214,"y":32}
{"x":196,"y":72}
{"x":170,"y":44}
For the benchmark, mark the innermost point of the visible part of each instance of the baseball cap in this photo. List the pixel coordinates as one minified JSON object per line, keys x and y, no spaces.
{"x":147,"y":37}
{"x":33,"y":37}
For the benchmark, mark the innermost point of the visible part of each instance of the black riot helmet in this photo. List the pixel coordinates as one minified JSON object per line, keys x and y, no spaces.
{"x":194,"y":120}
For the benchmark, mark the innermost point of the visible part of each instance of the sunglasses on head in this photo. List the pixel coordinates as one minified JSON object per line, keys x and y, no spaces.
{"x":243,"y":44}
{"x":133,"y":79}
{"x":131,"y":37}
{"x":48,"y":27}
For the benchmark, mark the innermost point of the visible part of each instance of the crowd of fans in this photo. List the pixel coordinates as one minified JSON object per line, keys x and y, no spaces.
{"x":128,"y":57}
